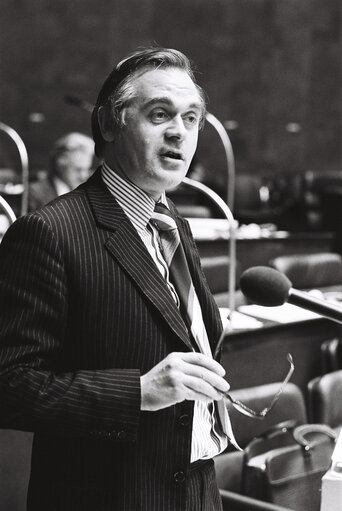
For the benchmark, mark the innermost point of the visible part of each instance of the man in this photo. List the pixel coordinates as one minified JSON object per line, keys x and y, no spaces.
{"x":71,"y":161}
{"x":99,"y":354}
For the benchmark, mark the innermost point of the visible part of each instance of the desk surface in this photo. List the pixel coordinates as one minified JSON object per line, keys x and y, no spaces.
{"x":259,"y":250}
{"x":215,"y":229}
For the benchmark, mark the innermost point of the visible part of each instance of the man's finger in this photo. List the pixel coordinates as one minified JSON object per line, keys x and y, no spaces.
{"x":204,"y":374}
{"x":199,"y":359}
{"x":200,"y":390}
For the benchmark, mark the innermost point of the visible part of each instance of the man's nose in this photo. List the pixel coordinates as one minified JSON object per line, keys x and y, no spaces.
{"x":176,"y":128}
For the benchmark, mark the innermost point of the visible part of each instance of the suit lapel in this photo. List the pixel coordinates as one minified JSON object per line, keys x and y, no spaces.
{"x":126,"y":246}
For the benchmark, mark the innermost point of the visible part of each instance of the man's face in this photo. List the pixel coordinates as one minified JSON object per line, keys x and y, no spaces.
{"x":74,"y":167}
{"x":156,"y":144}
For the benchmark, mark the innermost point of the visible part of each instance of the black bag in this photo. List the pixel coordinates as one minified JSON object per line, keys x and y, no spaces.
{"x":286,"y":464}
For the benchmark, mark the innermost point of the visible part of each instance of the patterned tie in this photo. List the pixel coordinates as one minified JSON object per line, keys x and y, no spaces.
{"x":174,"y":256}
{"x":190,"y":307}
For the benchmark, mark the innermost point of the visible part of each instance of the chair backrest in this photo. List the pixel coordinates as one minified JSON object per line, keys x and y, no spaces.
{"x":291,"y":406}
{"x":331,"y":350}
{"x":325,"y":403}
{"x":307,"y":271}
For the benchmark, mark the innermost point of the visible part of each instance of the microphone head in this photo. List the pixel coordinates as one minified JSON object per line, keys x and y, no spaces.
{"x":265,"y":286}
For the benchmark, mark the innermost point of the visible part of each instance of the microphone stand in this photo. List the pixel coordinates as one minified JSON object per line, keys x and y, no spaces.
{"x":222,"y":133}
{"x":24,"y":163}
{"x":232,"y":223}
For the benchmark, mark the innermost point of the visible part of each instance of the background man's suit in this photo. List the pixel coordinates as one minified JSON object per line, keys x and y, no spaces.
{"x":41,"y":192}
{"x":93,"y":296}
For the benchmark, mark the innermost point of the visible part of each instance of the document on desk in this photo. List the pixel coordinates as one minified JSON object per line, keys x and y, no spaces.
{"x":286,"y":313}
{"x":238,"y":320}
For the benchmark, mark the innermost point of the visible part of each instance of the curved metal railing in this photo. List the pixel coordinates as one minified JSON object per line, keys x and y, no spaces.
{"x":230,"y":160}
{"x":24,"y":163}
{"x":232,"y":223}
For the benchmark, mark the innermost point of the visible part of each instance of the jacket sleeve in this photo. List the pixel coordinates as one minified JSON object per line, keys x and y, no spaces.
{"x":33,"y":321}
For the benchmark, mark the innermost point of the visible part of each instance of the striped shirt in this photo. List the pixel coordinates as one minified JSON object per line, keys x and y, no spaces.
{"x":207,"y":439}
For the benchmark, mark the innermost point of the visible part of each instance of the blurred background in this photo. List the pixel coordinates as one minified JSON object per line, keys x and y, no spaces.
{"x":271,"y":70}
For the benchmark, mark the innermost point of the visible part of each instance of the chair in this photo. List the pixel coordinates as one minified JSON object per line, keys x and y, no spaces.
{"x":331,"y":202}
{"x":323,"y":196}
{"x":331,"y":350}
{"x":262,"y":198}
{"x":291,"y":406}
{"x":308,"y":271}
{"x":325,"y":404}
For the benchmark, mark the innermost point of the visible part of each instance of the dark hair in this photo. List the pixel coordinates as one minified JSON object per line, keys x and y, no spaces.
{"x":118,"y":88}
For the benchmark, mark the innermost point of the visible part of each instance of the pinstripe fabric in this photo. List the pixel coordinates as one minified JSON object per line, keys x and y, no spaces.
{"x":206,"y":439}
{"x":139,"y":207}
{"x":85,"y":311}
{"x":202,"y":491}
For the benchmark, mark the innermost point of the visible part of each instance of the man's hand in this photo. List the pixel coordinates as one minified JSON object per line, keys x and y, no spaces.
{"x":182,"y":376}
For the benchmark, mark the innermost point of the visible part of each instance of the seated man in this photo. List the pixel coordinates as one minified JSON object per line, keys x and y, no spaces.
{"x":71,"y":162}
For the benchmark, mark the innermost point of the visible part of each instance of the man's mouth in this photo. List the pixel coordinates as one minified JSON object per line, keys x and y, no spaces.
{"x":173,"y":155}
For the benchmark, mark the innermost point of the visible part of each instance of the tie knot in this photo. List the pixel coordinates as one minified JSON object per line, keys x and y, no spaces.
{"x":163,"y":218}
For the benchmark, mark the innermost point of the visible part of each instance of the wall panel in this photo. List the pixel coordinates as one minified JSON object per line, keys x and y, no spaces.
{"x":272,"y":66}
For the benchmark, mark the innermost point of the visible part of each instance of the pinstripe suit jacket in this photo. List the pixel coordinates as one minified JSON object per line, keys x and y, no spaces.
{"x":85,"y":312}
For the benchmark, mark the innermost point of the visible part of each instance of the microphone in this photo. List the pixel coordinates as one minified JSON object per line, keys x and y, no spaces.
{"x":268,"y":287}
{"x":80,"y":103}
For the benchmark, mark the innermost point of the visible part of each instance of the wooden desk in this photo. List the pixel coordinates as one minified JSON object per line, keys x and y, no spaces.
{"x":256,"y":357}
{"x":258,"y":251}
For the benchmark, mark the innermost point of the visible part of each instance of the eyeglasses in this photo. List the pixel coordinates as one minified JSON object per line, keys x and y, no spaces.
{"x":242,"y":408}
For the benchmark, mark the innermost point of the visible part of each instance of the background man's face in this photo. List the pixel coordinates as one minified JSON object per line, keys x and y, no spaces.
{"x":74,"y":167}
{"x":159,"y":137}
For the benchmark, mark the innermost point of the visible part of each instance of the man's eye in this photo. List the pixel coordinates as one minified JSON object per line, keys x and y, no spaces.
{"x":159,"y":116}
{"x":191,"y":119}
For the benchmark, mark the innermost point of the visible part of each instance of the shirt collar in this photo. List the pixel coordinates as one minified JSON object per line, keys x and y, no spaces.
{"x":136,"y":203}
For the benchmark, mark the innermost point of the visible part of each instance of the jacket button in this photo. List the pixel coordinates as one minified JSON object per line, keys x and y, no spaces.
{"x":179,"y":477}
{"x":121,"y":435}
{"x":184,"y":420}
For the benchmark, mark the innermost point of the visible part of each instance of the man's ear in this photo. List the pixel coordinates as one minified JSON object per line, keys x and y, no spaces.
{"x":106,"y":124}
